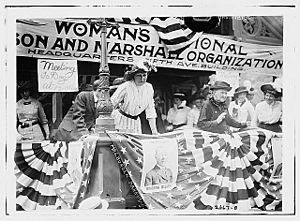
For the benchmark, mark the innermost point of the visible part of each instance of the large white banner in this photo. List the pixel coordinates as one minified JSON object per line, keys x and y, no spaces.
{"x":57,"y":75}
{"x":76,"y":39}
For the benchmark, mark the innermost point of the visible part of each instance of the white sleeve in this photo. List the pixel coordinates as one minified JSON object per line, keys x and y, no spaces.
{"x":170,"y":116}
{"x":190,"y":118}
{"x":118,"y":95}
{"x":251,"y":110}
{"x":150,"y":109}
{"x":254,"y":120}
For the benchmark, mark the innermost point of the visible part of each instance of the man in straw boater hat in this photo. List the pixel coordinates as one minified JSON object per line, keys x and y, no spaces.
{"x":268,"y":113}
{"x":177,"y":115}
{"x":214,"y":116}
{"x":241,"y":109}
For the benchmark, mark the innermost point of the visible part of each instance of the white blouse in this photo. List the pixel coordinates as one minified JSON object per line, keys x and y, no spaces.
{"x":133,"y":100}
{"x":268,"y":114}
{"x":177,"y":116}
{"x":193,"y":117}
{"x":243,"y":113}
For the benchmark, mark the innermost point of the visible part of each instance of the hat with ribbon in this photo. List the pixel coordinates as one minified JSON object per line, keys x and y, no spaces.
{"x":220,"y":85}
{"x":271,"y":88}
{"x":142,"y":66}
{"x":241,"y":89}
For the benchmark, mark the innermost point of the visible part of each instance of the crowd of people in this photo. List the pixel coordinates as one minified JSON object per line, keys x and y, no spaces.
{"x":138,"y":109}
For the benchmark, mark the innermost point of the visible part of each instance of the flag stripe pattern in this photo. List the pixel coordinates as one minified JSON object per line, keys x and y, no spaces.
{"x":40,"y":171}
{"x":172,"y":31}
{"x":218,"y":172}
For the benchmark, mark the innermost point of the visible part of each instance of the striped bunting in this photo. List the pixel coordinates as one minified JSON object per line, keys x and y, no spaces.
{"x":172,"y":31}
{"x":40,"y":175}
{"x":218,"y":172}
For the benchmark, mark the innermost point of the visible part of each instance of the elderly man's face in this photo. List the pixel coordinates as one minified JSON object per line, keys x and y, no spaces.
{"x":220,"y":95}
{"x":161,"y":157}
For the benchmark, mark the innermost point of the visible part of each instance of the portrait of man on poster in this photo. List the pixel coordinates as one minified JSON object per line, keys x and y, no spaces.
{"x":159,"y":174}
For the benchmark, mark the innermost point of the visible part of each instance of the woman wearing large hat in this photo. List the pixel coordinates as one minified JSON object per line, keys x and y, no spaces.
{"x":241,"y":109}
{"x":268,"y":113}
{"x":31,"y":118}
{"x":214,"y":116}
{"x":133,"y":97}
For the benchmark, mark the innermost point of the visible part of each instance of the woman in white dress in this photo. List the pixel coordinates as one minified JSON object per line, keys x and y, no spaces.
{"x":132,"y":98}
{"x":268,"y":113}
{"x":241,"y":109}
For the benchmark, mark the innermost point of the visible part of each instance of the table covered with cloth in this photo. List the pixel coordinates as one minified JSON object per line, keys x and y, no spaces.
{"x":213,"y":171}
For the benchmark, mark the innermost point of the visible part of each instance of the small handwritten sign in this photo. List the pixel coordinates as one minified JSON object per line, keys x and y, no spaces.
{"x":57,"y":75}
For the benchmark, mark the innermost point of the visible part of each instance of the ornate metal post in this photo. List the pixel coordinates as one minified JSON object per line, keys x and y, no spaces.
{"x":104,"y":106}
{"x":105,"y":180}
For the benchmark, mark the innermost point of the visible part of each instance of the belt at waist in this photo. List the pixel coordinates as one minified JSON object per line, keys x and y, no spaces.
{"x":128,"y":115}
{"x":178,"y":125}
{"x":277,"y":123}
{"x":25,"y":124}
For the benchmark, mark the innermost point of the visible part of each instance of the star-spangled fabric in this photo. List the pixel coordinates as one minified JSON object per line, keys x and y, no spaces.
{"x":215,"y":171}
{"x":89,"y":146}
{"x":219,"y":172}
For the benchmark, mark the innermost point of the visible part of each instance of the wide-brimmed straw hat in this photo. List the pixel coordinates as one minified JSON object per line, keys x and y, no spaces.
{"x":221,"y":85}
{"x":241,"y":89}
{"x":141,"y":66}
{"x":272,"y":89}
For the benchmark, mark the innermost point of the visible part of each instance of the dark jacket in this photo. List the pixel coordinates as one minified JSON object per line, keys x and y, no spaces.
{"x":79,"y":120}
{"x":84,"y":112}
{"x":67,"y":130}
{"x":210,"y":112}
{"x":157,"y":176}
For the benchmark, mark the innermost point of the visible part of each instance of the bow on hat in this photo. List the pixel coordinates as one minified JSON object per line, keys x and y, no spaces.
{"x":273,"y":88}
{"x":144,"y":65}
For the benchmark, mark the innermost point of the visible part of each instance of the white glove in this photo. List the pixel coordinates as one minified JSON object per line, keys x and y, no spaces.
{"x":221,"y":117}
